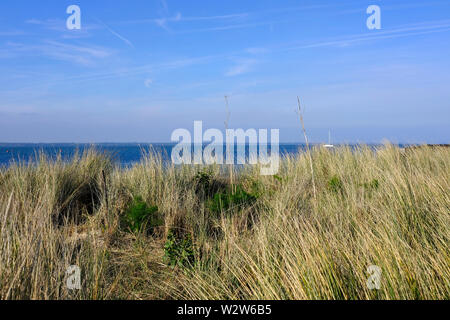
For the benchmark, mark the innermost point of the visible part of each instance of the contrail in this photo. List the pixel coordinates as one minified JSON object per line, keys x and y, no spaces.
{"x":128,"y":42}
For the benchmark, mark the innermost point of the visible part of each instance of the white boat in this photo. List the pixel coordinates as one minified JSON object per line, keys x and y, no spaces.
{"x":329,"y":145}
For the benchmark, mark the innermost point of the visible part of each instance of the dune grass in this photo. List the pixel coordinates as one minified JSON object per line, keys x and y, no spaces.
{"x":263,"y":238}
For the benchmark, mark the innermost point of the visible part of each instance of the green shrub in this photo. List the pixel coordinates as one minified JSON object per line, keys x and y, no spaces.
{"x":372,"y":185}
{"x":257,"y":189}
{"x":278,"y":178}
{"x":141,"y":217}
{"x":224,"y":201}
{"x":179,"y":250}
{"x":206,"y":185}
{"x":335,"y":184}
{"x":203,"y":178}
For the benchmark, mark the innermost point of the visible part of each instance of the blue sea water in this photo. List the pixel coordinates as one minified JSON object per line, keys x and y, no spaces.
{"x":124,"y":154}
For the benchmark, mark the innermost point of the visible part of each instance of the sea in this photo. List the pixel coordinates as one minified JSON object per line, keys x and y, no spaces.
{"x":123,"y":154}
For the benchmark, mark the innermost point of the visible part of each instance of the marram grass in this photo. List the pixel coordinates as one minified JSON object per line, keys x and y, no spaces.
{"x":389,"y":208}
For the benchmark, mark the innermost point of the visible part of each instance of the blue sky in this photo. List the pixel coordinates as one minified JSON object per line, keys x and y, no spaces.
{"x":139,"y":69}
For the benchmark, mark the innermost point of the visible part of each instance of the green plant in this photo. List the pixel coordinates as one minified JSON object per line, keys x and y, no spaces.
{"x":224,"y":201}
{"x":335,"y":184}
{"x":372,"y":185}
{"x":179,"y":250}
{"x":203,"y":177}
{"x":140,"y":216}
{"x":257,"y":188}
{"x":278,"y":178}
{"x":206,"y":185}
{"x":202,"y":181}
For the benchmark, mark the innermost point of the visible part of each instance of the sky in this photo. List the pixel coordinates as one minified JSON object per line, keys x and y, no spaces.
{"x":139,"y":69}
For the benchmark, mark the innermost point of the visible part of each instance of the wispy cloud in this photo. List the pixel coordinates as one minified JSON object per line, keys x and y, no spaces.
{"x":219,"y":17}
{"x":78,"y":54}
{"x":165,"y":16}
{"x":116,"y":34}
{"x":237,"y":26}
{"x":179,"y":18}
{"x":49,"y":24}
{"x":12,"y":33}
{"x":148,"y":83}
{"x":164,"y":12}
{"x":239,"y":20}
{"x":125,"y":72}
{"x":227,"y":27}
{"x":405,"y":31}
{"x":59,"y":26}
{"x":243,"y":66}
{"x":162,"y":22}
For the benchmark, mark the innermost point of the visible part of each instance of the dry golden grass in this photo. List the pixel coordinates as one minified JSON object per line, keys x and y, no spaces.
{"x":388,"y":208}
